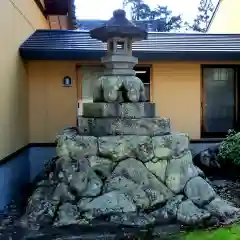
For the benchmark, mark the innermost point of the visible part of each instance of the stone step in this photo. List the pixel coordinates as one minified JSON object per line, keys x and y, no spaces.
{"x":123,"y":126}
{"x":122,"y":110}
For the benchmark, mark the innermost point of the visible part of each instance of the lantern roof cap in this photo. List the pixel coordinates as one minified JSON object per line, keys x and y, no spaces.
{"x":118,"y":26}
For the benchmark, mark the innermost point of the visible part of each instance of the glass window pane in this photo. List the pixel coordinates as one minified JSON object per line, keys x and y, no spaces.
{"x":219,"y":99}
{"x":147,"y":91}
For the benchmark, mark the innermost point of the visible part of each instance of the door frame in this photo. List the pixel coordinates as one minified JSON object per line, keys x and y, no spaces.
{"x":236,"y":123}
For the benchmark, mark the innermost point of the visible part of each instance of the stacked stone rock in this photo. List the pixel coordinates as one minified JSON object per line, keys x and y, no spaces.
{"x":125,"y":163}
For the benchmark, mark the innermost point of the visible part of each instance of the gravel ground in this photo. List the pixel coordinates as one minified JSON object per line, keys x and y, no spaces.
{"x":227,"y":189}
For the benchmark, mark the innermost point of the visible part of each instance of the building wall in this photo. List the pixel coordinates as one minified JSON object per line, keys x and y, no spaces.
{"x":51,"y":106}
{"x":175,"y":89}
{"x":18,"y":20}
{"x":226,"y":18}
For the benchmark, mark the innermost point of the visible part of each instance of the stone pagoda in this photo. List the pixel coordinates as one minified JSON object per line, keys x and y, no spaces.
{"x":122,"y":161}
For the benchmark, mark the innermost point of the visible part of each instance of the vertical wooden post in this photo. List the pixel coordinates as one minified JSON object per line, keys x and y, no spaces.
{"x":70,"y":24}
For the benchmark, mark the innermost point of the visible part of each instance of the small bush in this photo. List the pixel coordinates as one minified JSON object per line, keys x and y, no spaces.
{"x":229,"y":149}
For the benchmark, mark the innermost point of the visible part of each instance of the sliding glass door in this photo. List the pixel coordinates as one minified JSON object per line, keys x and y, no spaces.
{"x":218,"y":101}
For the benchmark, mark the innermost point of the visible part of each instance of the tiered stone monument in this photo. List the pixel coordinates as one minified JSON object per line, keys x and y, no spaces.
{"x":122,"y":161}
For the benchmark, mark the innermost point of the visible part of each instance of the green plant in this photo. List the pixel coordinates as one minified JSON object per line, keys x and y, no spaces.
{"x":224,"y":233}
{"x":229,"y":149}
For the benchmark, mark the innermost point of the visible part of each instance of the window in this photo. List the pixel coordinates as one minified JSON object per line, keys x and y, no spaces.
{"x":144,"y":74}
{"x":120,"y":45}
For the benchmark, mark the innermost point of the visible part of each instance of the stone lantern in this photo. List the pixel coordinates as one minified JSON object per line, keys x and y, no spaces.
{"x":122,"y":161}
{"x":119,"y":83}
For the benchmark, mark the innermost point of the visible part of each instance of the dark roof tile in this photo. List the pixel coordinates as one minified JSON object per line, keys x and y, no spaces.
{"x":78,"y":45}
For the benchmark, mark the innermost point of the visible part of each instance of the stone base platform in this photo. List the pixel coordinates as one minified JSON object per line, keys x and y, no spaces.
{"x":123,"y":126}
{"x":110,"y":119}
{"x":119,"y":110}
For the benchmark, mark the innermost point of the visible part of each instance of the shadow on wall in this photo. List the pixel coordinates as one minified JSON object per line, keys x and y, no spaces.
{"x":20,"y":171}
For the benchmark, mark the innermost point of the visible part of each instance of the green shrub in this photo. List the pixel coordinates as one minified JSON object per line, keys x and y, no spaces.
{"x":229,"y":149}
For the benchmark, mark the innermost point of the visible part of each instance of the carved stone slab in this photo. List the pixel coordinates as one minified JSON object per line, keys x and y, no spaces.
{"x":122,"y":110}
{"x":123,"y":126}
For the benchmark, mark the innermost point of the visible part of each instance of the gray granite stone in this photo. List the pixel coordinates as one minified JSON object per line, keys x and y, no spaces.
{"x":81,"y":146}
{"x":100,"y":109}
{"x":132,"y":219}
{"x":137,"y":110}
{"x":190,"y":214}
{"x":124,"y":126}
{"x":107,"y":87}
{"x":122,"y":110}
{"x":94,"y":185}
{"x":112,"y":202}
{"x":85,"y":125}
{"x":102,"y":166}
{"x":119,"y":72}
{"x":179,"y":171}
{"x":110,"y":87}
{"x":143,"y":148}
{"x":158,"y":169}
{"x":223,"y":209}
{"x":67,"y":214}
{"x":62,"y":193}
{"x":130,"y":188}
{"x":168,"y":212}
{"x":199,"y":191}
{"x":123,"y":62}
{"x":78,"y":182}
{"x":41,"y":206}
{"x":136,"y":171}
{"x":133,"y":89}
{"x":116,"y":148}
{"x":171,"y":145}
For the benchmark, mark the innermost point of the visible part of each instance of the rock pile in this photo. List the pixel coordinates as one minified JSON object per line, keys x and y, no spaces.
{"x":129,"y":179}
